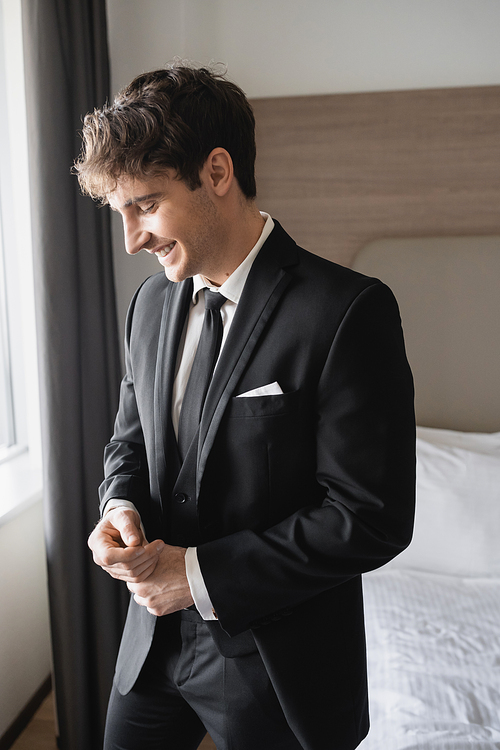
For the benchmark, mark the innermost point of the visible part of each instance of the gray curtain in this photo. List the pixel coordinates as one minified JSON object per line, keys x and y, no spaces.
{"x":67,"y":74}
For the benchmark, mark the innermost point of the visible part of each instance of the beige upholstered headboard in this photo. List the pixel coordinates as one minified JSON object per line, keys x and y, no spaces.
{"x":346,"y":171}
{"x":448,"y":290}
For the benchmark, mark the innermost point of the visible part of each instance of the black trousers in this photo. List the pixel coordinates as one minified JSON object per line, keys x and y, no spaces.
{"x":187,"y":688}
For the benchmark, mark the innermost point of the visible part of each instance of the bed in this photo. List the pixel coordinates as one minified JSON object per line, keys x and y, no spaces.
{"x":405,"y":186}
{"x":433,"y":614}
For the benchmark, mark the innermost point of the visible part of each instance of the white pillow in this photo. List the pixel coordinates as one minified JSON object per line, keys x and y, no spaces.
{"x":457,"y":523}
{"x":478,"y":442}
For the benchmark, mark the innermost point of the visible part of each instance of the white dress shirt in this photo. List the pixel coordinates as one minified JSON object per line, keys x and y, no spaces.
{"x":232,"y":289}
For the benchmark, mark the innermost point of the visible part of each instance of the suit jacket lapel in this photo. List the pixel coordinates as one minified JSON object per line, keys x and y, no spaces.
{"x":265,"y":285}
{"x":175,"y":310}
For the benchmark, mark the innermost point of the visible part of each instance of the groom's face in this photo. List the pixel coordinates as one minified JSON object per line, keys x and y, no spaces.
{"x":182,"y":227}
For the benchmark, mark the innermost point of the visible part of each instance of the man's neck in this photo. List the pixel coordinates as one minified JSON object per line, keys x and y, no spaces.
{"x":244,"y":228}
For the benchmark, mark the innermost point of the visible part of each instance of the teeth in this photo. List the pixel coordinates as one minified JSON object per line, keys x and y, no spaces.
{"x":165,"y":250}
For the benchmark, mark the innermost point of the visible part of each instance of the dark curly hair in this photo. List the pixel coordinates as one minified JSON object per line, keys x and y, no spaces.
{"x":168,"y":118}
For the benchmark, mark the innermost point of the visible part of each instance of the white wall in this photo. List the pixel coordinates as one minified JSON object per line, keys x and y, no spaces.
{"x":24,"y":619}
{"x":292,"y":47}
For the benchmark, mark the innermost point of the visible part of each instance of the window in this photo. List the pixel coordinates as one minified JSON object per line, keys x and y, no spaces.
{"x":20,"y":451}
{"x":7,"y":430}
{"x":7,"y":422}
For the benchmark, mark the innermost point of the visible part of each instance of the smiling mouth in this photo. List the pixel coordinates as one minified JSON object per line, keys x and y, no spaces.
{"x":162,"y":252}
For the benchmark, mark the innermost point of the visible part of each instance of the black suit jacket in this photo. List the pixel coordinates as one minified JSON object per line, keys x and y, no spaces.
{"x":289,"y":497}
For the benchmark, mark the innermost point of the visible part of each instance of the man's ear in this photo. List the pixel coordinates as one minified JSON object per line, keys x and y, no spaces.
{"x":219,"y":171}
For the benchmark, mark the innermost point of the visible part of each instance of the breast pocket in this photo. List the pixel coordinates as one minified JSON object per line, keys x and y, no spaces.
{"x":258,"y":445}
{"x":241,"y":407}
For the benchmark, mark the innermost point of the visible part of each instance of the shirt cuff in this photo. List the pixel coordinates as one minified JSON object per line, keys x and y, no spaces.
{"x":117,"y":502}
{"x":197,"y":585}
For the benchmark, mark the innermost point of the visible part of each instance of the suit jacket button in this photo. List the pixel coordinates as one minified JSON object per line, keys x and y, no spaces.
{"x":180,"y":497}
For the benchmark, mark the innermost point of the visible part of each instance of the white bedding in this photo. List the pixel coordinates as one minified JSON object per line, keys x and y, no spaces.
{"x":433,"y":661}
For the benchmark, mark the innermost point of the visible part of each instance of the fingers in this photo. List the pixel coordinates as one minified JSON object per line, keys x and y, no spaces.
{"x":134,"y":571}
{"x":110,"y":530}
{"x":129,"y":560}
{"x":127,"y":522}
{"x":110,"y":552}
{"x":166,"y":589}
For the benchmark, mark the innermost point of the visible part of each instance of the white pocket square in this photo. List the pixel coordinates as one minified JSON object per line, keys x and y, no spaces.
{"x":273,"y":389}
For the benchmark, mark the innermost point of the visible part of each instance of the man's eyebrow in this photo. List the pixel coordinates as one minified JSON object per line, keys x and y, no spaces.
{"x":141,"y":199}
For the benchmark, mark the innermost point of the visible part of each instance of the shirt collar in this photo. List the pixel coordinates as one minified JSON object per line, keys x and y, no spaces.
{"x":232,"y":288}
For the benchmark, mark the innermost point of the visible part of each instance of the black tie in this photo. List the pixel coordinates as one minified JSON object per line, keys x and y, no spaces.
{"x":202,"y":370}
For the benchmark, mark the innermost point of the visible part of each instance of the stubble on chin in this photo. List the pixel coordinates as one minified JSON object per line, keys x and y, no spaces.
{"x":203,"y":243}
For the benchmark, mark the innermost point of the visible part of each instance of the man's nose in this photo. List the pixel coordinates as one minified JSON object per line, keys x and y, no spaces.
{"x":135,"y":236}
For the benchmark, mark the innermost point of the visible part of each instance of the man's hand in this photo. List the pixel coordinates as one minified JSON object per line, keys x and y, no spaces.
{"x":166,"y":590}
{"x":119,"y":546}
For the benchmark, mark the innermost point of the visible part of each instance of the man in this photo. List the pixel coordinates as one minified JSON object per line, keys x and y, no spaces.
{"x":240,"y":507}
